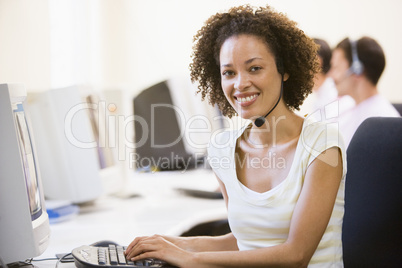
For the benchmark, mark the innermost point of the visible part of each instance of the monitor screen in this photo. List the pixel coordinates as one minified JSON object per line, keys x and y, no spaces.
{"x":99,"y":128}
{"x":28,"y":161}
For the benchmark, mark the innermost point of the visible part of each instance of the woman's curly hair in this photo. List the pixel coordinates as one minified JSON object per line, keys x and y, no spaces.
{"x":295,"y":53}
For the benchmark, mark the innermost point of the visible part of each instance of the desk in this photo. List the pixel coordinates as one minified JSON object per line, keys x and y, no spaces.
{"x":160,"y":209}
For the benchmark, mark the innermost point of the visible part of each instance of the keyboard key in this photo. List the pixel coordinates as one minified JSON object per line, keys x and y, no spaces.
{"x":148,"y":262}
{"x":120,"y":255}
{"x":113,"y":255}
{"x":102,"y":256}
{"x":159,"y":262}
{"x":139,"y":263}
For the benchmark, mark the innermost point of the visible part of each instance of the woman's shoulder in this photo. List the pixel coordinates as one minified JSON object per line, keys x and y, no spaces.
{"x":313,"y":128}
{"x":319,"y":135}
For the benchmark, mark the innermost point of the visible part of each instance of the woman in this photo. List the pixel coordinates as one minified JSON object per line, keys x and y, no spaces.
{"x":284,"y":188}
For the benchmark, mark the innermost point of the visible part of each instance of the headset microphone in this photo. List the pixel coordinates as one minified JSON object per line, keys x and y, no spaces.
{"x":261,"y":120}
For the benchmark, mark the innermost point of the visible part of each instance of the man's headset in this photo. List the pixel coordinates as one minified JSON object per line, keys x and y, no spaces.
{"x":357,"y":66}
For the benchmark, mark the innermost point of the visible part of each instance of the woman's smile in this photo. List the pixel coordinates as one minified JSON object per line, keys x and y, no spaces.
{"x":246,"y":99}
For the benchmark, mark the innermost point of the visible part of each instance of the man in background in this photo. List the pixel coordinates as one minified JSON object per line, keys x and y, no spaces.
{"x":356,"y":67}
{"x":324,"y":90}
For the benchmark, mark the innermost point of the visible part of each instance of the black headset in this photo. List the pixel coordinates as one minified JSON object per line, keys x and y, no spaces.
{"x":357,"y":66}
{"x":261,"y":120}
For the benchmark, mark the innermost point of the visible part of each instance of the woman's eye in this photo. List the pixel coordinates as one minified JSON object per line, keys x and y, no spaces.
{"x":228,"y":73}
{"x":255,"y":68}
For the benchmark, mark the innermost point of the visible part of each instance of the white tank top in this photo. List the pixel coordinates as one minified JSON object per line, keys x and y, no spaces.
{"x":260,"y":220}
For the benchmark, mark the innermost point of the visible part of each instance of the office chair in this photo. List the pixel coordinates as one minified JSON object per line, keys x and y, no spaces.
{"x":213,"y":222}
{"x":398,"y":107}
{"x":372,"y":227}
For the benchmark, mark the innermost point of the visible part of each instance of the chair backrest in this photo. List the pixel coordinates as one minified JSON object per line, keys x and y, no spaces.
{"x":398,"y":107}
{"x":372,"y":227}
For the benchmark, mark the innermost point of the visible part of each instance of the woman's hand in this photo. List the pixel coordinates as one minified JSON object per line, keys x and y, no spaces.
{"x":158,"y":247}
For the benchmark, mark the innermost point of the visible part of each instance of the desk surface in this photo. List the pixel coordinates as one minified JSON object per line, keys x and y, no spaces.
{"x":160,"y":209}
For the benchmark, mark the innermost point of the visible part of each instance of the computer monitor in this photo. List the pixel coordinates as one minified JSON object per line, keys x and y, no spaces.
{"x":65,"y":144}
{"x":173,"y":126}
{"x":24,"y":223}
{"x":107,"y":114}
{"x":158,"y":135}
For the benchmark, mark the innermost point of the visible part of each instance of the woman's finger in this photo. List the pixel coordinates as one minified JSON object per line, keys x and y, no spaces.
{"x":144,"y":245}
{"x":134,"y":242}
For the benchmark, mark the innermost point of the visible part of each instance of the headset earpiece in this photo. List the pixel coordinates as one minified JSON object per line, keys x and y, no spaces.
{"x":357,"y":66}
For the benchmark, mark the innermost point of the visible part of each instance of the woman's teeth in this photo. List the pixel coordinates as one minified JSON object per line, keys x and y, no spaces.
{"x":249,"y":98}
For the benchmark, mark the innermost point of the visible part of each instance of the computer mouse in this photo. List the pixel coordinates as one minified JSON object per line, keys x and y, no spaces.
{"x":104,"y":243}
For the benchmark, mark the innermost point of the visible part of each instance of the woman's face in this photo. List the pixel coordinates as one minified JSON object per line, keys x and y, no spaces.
{"x":250,"y":79}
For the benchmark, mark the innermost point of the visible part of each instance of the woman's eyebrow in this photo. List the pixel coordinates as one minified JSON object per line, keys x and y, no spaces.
{"x":227,"y":65}
{"x":252,"y":59}
{"x":246,"y":62}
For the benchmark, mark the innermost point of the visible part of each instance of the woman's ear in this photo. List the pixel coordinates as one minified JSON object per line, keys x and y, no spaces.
{"x":285,"y":77}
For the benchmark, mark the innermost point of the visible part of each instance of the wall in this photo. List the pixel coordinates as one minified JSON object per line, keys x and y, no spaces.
{"x":162,"y":46}
{"x":25,"y":43}
{"x":132,"y":44}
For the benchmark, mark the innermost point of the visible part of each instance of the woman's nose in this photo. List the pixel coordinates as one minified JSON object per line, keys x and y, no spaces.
{"x":242,"y":82}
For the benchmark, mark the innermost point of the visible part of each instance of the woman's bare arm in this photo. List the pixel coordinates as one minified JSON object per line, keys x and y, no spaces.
{"x":309,"y":221}
{"x":308,"y":224}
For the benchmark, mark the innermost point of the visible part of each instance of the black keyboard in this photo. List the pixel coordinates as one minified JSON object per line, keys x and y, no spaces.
{"x":110,"y":257}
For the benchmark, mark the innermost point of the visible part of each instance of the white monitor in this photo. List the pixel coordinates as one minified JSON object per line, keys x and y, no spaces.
{"x":24,"y":223}
{"x":65,"y":144}
{"x":108,"y":116}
